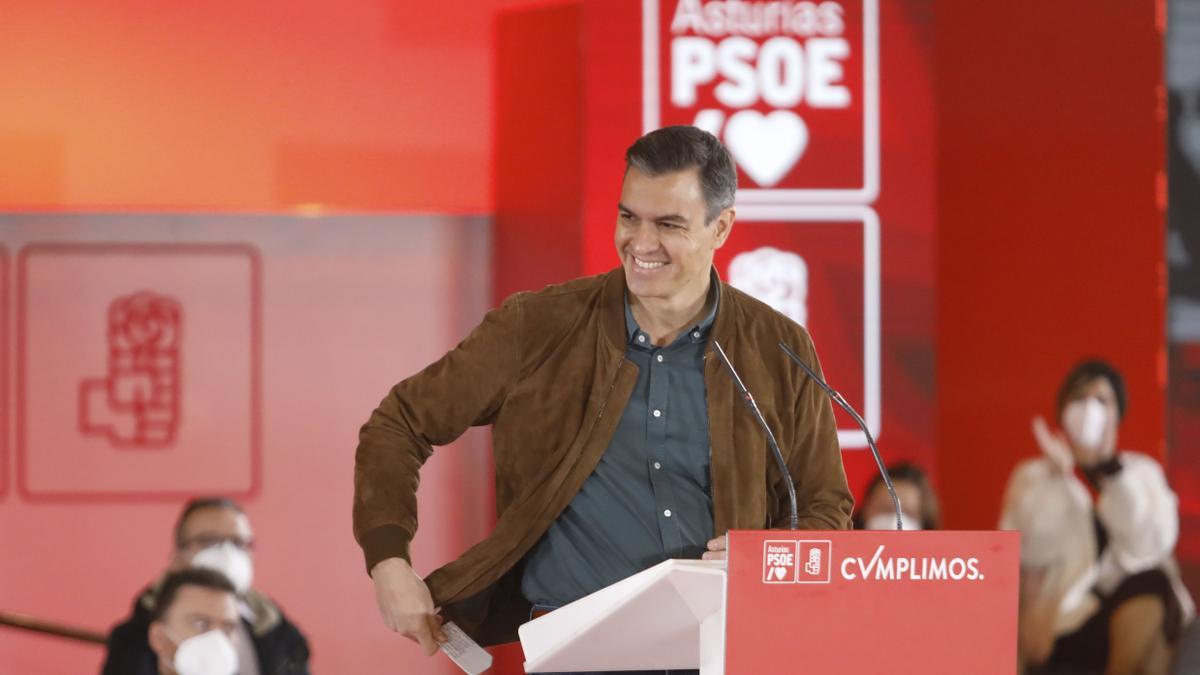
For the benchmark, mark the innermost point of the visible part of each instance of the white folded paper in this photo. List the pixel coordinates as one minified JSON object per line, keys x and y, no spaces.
{"x":649,"y":621}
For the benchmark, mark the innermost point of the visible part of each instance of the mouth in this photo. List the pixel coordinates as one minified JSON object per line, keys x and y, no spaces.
{"x":648,"y":265}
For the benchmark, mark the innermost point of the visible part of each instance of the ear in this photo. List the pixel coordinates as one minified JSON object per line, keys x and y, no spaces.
{"x":724,"y":225}
{"x":160,"y":643}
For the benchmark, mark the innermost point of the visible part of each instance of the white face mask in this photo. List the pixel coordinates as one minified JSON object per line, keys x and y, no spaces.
{"x":1085,"y":421}
{"x":210,"y":653}
{"x":887,"y":521}
{"x":230,"y":560}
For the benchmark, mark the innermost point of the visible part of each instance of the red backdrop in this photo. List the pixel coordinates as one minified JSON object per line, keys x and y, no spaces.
{"x":1050,"y":226}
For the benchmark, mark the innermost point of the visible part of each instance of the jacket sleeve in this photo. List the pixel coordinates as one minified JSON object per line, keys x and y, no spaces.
{"x":823,"y":499}
{"x":464,"y":388}
{"x":1140,"y":513}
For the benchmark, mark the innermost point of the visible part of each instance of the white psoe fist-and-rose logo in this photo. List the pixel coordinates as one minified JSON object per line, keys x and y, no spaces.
{"x":782,"y":83}
{"x":778,"y":278}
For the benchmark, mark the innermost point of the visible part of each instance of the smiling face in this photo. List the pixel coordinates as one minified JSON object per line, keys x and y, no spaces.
{"x":662,"y":237}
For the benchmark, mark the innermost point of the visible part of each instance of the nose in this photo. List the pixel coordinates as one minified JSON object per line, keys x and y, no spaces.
{"x":645,"y":238}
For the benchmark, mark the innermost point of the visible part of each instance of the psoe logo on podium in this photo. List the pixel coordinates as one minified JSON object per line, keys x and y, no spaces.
{"x":779,"y":562}
{"x":814,"y":561}
{"x":791,"y":88}
{"x":137,"y":371}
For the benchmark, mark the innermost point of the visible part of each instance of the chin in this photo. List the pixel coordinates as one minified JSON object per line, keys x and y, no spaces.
{"x":635,"y":286}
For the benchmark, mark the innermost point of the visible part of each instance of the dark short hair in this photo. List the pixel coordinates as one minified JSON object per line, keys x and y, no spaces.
{"x":1084,"y":373}
{"x":681,"y":148}
{"x":201,"y":577}
{"x":198,"y":504}
{"x":931,"y":513}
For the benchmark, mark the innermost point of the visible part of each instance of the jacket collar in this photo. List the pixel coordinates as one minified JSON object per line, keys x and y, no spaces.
{"x":612,"y":311}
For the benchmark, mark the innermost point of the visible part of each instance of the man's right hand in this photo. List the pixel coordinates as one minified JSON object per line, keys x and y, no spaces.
{"x":405,"y":604}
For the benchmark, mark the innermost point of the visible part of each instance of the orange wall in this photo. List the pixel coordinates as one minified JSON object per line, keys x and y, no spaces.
{"x":265,"y":105}
{"x":1050,"y":226}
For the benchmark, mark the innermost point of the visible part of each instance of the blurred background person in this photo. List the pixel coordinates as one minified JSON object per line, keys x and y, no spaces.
{"x":1099,"y":589}
{"x":193,"y":627}
{"x":214,"y":533}
{"x":918,"y":502}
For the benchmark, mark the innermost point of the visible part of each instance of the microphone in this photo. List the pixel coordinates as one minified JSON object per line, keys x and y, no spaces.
{"x":837,"y":398}
{"x":762,"y":422}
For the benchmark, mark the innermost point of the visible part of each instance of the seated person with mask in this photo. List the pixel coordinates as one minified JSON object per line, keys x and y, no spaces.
{"x":918,"y":502}
{"x":194,"y":626}
{"x":215,"y":533}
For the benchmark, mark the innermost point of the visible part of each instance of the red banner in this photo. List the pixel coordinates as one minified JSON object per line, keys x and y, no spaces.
{"x":872,"y":602}
{"x":791,"y":88}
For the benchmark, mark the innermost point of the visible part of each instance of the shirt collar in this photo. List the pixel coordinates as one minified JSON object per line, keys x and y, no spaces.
{"x":696,"y":333}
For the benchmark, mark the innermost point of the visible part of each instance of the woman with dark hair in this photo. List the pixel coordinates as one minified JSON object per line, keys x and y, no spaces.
{"x":918,"y":503}
{"x":1099,"y":590}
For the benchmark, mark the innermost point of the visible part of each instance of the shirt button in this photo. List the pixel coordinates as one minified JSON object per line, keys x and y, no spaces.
{"x":658,"y":413}
{"x":667,"y":513}
{"x":696,"y":334}
{"x":658,"y":358}
{"x":657,"y":465}
{"x":641,"y":338}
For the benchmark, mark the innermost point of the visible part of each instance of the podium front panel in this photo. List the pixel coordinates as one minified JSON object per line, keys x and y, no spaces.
{"x":872,"y":602}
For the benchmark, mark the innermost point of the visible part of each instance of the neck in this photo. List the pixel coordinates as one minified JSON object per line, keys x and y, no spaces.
{"x":665,"y":318}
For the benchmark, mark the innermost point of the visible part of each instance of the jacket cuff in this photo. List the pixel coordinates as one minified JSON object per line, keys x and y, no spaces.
{"x":1106,"y":469}
{"x":383,"y":542}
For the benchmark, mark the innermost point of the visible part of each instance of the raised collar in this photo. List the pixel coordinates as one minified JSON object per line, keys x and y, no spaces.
{"x":612,"y":307}
{"x":694,"y":333}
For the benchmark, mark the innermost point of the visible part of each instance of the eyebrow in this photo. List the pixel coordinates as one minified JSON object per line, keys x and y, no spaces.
{"x":661,"y":219}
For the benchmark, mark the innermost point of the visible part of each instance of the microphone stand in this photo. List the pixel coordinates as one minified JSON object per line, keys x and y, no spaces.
{"x":762,"y":422}
{"x":837,"y":398}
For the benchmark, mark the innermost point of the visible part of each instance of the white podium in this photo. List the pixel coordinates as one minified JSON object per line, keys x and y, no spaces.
{"x":671,"y":616}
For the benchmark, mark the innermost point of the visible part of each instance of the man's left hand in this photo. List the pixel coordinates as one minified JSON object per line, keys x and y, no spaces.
{"x":716,"y":548}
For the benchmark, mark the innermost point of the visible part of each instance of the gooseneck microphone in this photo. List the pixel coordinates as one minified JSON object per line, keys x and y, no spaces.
{"x":837,"y":398}
{"x":748,"y":399}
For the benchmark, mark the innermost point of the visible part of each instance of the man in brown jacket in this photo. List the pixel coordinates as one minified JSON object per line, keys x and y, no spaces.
{"x":618,"y":436}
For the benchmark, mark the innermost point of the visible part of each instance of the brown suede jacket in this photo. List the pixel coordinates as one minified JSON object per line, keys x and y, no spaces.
{"x":548,"y":371}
